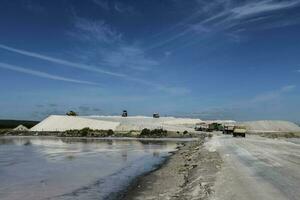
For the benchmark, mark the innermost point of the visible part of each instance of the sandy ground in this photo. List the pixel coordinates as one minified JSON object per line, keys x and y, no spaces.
{"x":189,"y":174}
{"x":257,"y":168}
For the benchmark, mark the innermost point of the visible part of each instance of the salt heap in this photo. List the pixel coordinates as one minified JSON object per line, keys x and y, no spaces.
{"x":63,"y":123}
{"x":21,"y":128}
{"x":271,"y":126}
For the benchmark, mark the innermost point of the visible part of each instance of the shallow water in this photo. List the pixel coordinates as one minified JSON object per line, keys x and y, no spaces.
{"x":68,"y":168}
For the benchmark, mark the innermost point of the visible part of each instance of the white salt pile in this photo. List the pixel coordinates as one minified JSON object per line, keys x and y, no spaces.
{"x":117,"y":123}
{"x":271,"y":126}
{"x":63,"y":123}
{"x":21,"y":128}
{"x":141,"y":122}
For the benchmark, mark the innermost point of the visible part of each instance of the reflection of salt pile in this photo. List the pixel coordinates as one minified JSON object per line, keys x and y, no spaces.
{"x":63,"y":123}
{"x":271,"y":126}
{"x":21,"y":128}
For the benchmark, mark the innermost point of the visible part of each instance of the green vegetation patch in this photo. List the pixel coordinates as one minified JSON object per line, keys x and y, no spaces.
{"x":87,"y":132}
{"x":155,"y":133}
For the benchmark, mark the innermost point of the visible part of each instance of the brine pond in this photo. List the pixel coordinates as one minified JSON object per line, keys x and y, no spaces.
{"x":37,"y":168}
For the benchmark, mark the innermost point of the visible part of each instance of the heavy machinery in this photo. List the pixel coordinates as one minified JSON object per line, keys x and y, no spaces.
{"x":228,"y":129}
{"x":71,"y":113}
{"x":155,"y":115}
{"x":215,"y":126}
{"x":239,"y":131}
{"x":203,"y":127}
{"x":124,"y":114}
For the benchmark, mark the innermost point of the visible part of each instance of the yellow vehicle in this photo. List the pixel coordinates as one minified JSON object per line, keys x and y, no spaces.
{"x":239,"y":131}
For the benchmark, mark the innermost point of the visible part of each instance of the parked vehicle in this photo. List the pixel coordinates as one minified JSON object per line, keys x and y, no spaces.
{"x":155,"y":115}
{"x":71,"y":113}
{"x":239,"y":131}
{"x":124,"y":114}
{"x":204,"y":127}
{"x":228,"y":129}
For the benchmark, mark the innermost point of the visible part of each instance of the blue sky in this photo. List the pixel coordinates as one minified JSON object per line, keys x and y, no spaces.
{"x":212,"y":59}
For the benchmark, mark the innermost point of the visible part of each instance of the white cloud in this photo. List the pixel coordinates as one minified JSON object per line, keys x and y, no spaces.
{"x":105,"y":45}
{"x":61,"y":61}
{"x":129,"y":57}
{"x":226,"y":16}
{"x":260,"y":7}
{"x":102,"y":3}
{"x":117,"y":6}
{"x":95,"y":30}
{"x":268,"y":96}
{"x":43,"y":74}
{"x":171,"y":90}
{"x":123,"y":8}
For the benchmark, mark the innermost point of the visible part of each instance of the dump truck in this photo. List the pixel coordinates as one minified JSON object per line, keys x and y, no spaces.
{"x":71,"y":113}
{"x":239,"y":131}
{"x":203,"y":127}
{"x":215,"y":126}
{"x":124,"y":114}
{"x":228,"y":129}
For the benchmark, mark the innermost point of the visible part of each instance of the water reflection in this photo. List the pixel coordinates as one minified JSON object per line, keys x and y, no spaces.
{"x":73,"y":168}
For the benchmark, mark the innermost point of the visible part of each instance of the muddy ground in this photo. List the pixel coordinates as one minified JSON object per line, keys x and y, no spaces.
{"x":189,"y":174}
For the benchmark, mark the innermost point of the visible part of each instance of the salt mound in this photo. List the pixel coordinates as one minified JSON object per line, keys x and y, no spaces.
{"x":21,"y":128}
{"x":183,"y":121}
{"x":271,"y":125}
{"x":221,"y":121}
{"x":63,"y":123}
{"x":141,"y":122}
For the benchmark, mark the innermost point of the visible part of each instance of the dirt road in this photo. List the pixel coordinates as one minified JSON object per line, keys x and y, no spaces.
{"x":257,"y":168}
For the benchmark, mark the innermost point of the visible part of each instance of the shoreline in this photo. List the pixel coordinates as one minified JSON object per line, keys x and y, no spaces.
{"x":167,"y":139}
{"x":189,"y":173}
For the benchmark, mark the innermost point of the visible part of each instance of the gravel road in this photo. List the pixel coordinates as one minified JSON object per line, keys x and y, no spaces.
{"x":257,"y":168}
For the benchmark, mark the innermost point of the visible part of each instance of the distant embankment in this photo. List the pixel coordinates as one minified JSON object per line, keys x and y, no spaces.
{"x":271,"y":126}
{"x":9,"y":124}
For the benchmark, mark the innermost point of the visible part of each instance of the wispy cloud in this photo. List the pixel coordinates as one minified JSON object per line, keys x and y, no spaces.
{"x":117,"y":53}
{"x":103,"y":44}
{"x":60,"y":61}
{"x":130,"y":57}
{"x":43,"y":74}
{"x":261,"y":7}
{"x":171,"y":90}
{"x":117,"y":6}
{"x":268,"y":96}
{"x":228,"y":16}
{"x":102,"y":4}
{"x":95,"y":31}
{"x":123,"y":8}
